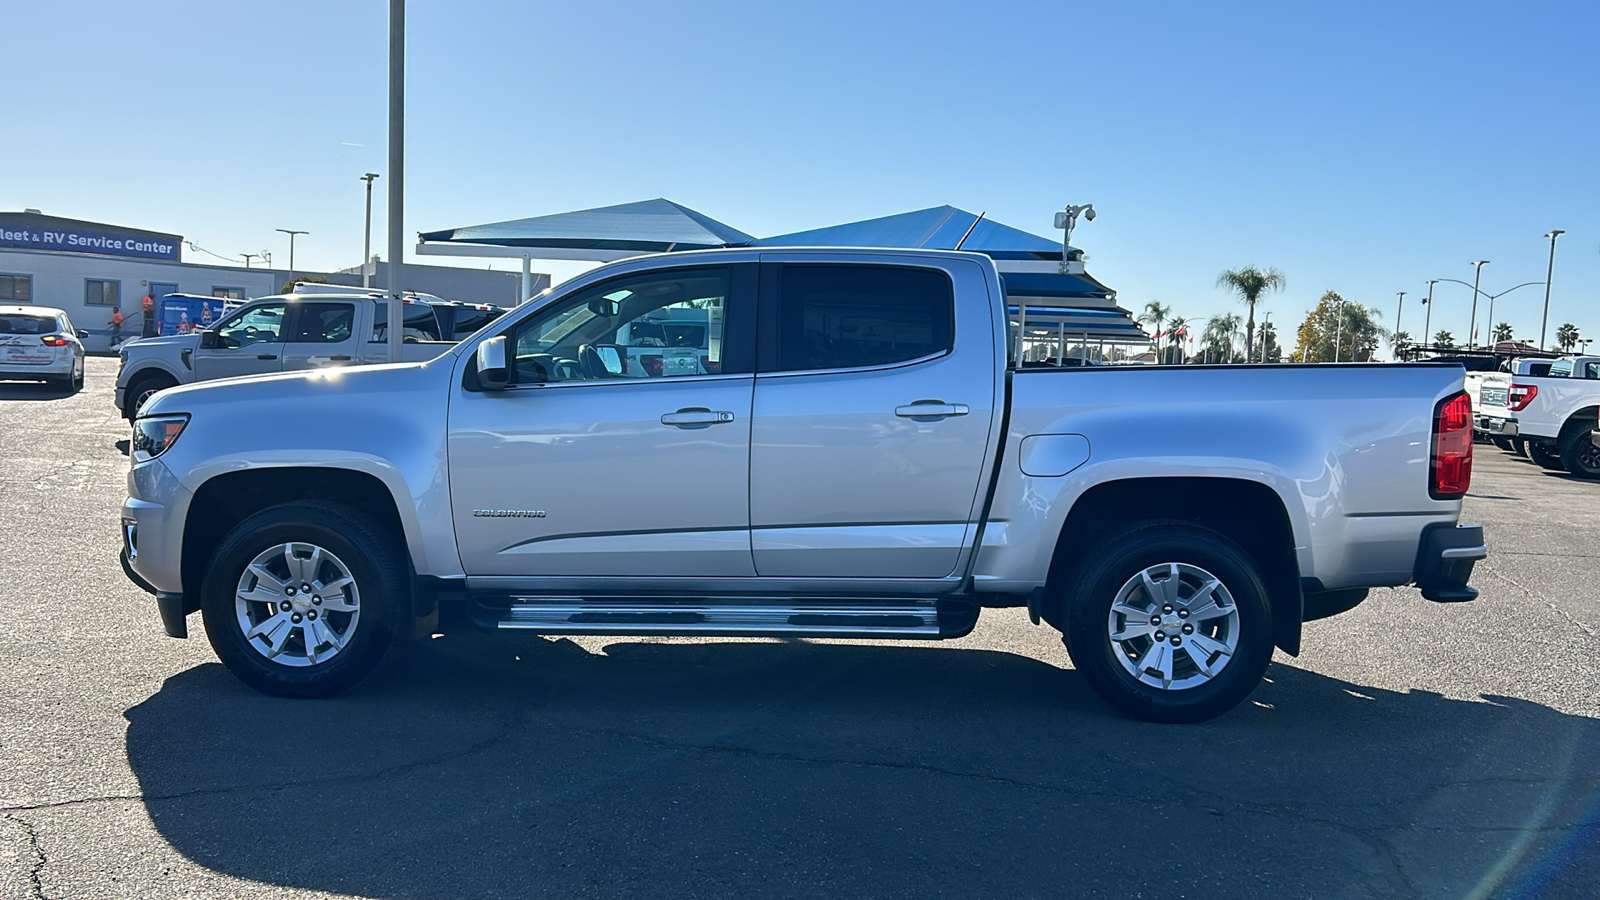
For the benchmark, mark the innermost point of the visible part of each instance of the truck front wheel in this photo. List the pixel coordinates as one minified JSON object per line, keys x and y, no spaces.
{"x":303,"y":600}
{"x":1169,"y":622}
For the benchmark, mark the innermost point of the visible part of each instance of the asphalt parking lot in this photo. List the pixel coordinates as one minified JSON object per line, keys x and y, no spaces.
{"x":1413,"y":750}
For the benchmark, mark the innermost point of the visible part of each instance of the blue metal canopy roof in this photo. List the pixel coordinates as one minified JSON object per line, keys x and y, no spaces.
{"x":649,"y":226}
{"x":935,"y":228}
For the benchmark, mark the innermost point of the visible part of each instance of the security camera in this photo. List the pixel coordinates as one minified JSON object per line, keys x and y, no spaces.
{"x":1089,"y":213}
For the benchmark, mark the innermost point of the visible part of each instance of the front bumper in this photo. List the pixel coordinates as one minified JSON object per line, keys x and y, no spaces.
{"x":1445,"y":559}
{"x":1497,"y":426}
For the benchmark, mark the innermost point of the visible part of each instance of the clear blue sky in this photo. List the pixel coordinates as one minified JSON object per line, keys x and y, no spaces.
{"x":1360,"y":147}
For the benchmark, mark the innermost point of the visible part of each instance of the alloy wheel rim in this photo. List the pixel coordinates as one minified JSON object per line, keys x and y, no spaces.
{"x":297,"y":604}
{"x":1589,"y":458}
{"x":1174,"y":626}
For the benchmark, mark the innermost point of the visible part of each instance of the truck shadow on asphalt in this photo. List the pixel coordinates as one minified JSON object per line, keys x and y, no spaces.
{"x":33,"y":390}
{"x":481,"y":768}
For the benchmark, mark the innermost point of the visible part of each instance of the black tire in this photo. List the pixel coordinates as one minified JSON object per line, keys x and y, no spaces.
{"x":1088,"y":608}
{"x":140,"y":390}
{"x":1578,"y":452}
{"x":1504,"y":443}
{"x":1519,"y":447}
{"x":1545,"y":456}
{"x":77,"y":378}
{"x":374,"y":560}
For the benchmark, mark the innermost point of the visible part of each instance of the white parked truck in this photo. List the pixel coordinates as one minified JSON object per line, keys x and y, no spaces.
{"x":278,"y":334}
{"x":1552,"y":415}
{"x":844,"y":447}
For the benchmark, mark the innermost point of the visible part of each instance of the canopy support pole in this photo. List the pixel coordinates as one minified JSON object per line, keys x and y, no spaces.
{"x":527,"y":280}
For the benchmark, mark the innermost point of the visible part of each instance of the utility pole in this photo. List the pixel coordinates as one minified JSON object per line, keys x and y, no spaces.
{"x":397,"y":155}
{"x":1549,"y":274}
{"x":366,"y":244}
{"x":291,"y":233}
{"x":1472,"y":333}
{"x":1397,"y":311}
{"x":248,"y":257}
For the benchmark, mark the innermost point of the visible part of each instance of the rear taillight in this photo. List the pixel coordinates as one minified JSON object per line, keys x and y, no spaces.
{"x":54,"y":340}
{"x":1520,"y":395}
{"x":1450,"y":469}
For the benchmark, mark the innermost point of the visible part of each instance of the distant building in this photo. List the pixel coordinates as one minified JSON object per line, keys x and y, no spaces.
{"x":91,"y":268}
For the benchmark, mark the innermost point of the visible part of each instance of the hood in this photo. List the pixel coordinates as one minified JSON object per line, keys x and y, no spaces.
{"x":361,"y":384}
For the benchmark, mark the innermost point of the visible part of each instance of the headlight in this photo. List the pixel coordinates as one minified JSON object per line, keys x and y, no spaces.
{"x":152,"y":435}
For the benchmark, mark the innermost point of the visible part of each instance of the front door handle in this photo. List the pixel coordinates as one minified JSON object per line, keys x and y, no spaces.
{"x":267,"y":356}
{"x":340,"y":358}
{"x":931,"y":409}
{"x":697,"y":417}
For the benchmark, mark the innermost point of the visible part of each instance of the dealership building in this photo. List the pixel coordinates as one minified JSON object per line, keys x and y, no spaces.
{"x":91,"y":269}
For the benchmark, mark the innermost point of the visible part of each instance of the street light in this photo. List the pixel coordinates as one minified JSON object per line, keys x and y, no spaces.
{"x":291,"y":233}
{"x":248,"y":257}
{"x":1338,"y":333}
{"x":1400,"y":308}
{"x":1549,"y":275}
{"x":1476,"y":292}
{"x":1472,"y":330}
{"x":1427,"y":320}
{"x":366,"y":244}
{"x":1267,"y":320}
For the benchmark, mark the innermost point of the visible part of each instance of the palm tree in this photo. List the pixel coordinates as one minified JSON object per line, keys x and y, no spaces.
{"x":1250,"y":283}
{"x":1502,"y":332}
{"x":1177,"y":331}
{"x":1444,"y":340}
{"x":1566,"y":337}
{"x":1155,"y":313}
{"x":1218,"y":336}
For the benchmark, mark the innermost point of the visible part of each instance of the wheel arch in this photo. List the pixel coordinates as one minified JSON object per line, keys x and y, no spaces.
{"x":223,"y":501}
{"x":1249,"y":513}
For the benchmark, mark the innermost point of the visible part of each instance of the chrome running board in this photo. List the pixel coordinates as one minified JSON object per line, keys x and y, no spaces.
{"x":736,"y":618}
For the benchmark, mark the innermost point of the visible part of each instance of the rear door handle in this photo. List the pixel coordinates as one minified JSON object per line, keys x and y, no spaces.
{"x":267,"y":356}
{"x":340,"y":358}
{"x":931,"y":409}
{"x":697,"y":417}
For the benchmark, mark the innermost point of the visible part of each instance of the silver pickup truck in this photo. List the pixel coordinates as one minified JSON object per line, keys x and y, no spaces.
{"x":845,"y":449}
{"x":291,"y":332}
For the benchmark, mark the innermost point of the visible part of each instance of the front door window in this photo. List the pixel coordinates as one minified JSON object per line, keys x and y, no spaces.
{"x":256,"y":325}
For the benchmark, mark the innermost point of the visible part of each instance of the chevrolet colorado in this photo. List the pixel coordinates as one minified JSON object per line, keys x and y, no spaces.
{"x":843,"y":446}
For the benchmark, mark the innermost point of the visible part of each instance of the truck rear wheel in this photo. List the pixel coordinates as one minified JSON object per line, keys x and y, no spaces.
{"x":1545,"y":456}
{"x":303,"y":600}
{"x":1519,"y":447}
{"x":1579,"y":455}
{"x":1169,"y":622}
{"x":1504,"y":443}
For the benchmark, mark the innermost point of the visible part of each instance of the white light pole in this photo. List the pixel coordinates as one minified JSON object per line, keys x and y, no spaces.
{"x":1338,"y":332}
{"x":1549,"y":274}
{"x":366,"y":243}
{"x":291,"y":233}
{"x":397,"y":157}
{"x":1472,"y":328}
{"x":1065,"y":220}
{"x":1265,"y":321}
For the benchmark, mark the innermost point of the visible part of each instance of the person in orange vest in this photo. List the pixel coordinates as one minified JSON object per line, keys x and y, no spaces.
{"x":148,"y":307}
{"x":116,"y":327}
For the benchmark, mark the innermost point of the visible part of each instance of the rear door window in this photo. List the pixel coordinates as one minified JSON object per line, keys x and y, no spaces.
{"x":848,"y":317}
{"x":420,"y":324}
{"x":324,"y":323}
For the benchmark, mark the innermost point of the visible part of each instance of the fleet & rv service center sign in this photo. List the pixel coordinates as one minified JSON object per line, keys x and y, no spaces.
{"x":29,"y":231}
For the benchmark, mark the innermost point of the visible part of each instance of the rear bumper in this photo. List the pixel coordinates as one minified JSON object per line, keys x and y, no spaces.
{"x":1445,"y":559}
{"x":61,"y":368}
{"x":1497,"y":426}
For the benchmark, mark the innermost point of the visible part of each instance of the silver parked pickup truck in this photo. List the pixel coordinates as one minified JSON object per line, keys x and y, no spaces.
{"x":842,"y":447}
{"x":280,"y":334}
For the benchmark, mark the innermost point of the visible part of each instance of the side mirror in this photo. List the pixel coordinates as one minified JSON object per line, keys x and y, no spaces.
{"x":208,"y":340}
{"x":603,"y":307}
{"x":82,"y":334}
{"x":493,"y":373}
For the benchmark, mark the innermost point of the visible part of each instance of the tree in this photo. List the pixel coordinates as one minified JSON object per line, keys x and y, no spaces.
{"x":1567,"y":337}
{"x":1177,"y":333}
{"x":1155,"y":313}
{"x":1250,"y":283}
{"x":1400,"y":341}
{"x":1217,"y":339}
{"x":1269,"y":351}
{"x":1336,"y":321}
{"x":288,"y":286}
{"x":1502,"y":332}
{"x":1444,"y":340}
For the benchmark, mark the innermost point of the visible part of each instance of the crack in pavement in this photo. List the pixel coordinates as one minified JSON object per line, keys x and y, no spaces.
{"x":1532,"y":596}
{"x":353,"y":778}
{"x":36,"y":872}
